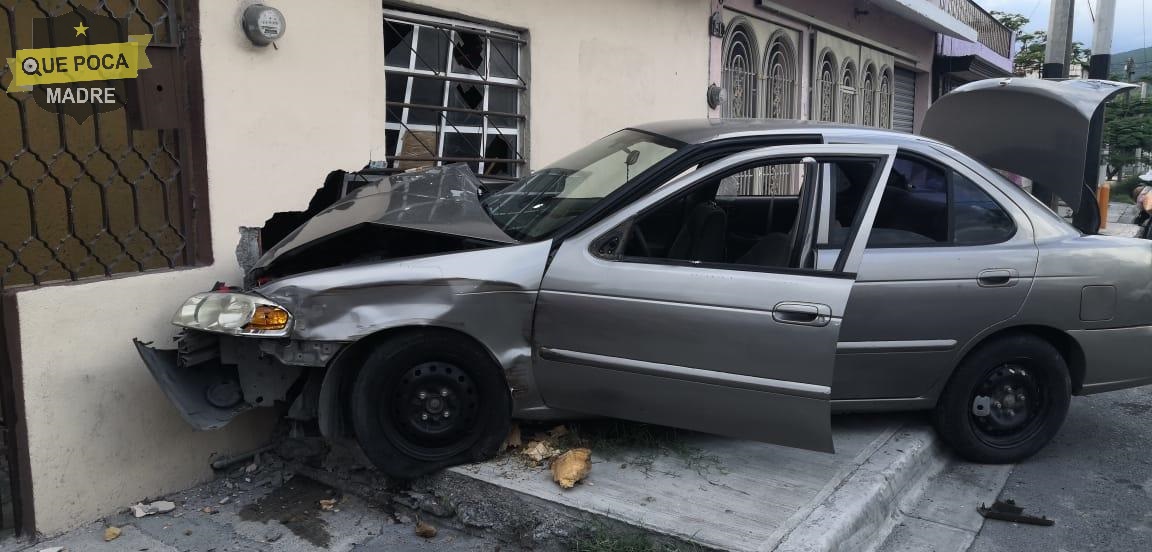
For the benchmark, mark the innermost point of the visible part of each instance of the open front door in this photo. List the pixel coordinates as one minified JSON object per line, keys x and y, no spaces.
{"x":699,"y":306}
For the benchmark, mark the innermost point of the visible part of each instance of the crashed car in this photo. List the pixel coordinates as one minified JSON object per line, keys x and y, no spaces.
{"x":740,"y":277}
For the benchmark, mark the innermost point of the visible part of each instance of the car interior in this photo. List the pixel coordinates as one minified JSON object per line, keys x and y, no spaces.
{"x":754,"y":217}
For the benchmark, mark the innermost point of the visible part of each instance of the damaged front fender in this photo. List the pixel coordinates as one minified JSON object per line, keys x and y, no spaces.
{"x":193,"y":390}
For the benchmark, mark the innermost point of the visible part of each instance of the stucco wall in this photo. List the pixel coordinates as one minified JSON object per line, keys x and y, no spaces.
{"x":599,"y":65}
{"x":101,"y":434}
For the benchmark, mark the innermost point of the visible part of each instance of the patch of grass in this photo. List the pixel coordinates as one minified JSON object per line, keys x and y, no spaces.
{"x":600,"y":539}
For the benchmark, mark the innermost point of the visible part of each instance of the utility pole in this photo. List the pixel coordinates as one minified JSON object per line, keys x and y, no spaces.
{"x":1057,"y":54}
{"x":1102,"y":40}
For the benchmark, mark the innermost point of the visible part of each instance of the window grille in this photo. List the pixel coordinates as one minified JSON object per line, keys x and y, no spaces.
{"x":780,"y":74}
{"x":885,"y":98}
{"x":848,"y":93}
{"x":456,"y":92}
{"x":868,"y":97}
{"x":826,"y":87}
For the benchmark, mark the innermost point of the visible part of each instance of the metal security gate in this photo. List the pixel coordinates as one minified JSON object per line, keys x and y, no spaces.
{"x":904,"y":101}
{"x":115,"y":193}
{"x":123,"y":191}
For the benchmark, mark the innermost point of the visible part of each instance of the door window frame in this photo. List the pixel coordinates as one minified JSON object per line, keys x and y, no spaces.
{"x":619,"y":224}
{"x":950,"y":174}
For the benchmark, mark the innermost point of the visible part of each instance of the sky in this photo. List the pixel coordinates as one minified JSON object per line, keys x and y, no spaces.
{"x":1133,"y":20}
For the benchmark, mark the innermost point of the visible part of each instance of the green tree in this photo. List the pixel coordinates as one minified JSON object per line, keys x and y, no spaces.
{"x":1013,"y":21}
{"x":1127,"y":134}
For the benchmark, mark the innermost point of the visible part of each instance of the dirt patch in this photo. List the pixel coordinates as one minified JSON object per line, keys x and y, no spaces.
{"x":296,"y":505}
{"x":1135,"y":409}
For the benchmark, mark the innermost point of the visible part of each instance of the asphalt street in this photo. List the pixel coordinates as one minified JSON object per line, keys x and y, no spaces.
{"x":1094,"y":479}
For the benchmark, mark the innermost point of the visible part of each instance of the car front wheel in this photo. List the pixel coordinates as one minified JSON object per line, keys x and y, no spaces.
{"x":428,"y":400}
{"x":1005,"y":401}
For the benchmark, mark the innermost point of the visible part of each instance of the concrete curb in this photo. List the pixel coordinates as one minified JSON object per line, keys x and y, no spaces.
{"x":856,"y":514}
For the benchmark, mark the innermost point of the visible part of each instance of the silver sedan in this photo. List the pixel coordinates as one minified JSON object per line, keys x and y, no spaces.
{"x":746,"y":278}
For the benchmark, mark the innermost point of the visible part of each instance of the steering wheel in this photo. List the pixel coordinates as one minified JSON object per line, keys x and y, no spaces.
{"x":636,"y":235}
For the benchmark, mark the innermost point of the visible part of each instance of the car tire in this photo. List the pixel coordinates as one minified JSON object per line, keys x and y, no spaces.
{"x":425,"y":400}
{"x":1005,"y":401}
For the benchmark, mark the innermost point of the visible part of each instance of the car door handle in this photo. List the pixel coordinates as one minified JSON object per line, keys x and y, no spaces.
{"x":997,"y":277}
{"x":804,"y":314}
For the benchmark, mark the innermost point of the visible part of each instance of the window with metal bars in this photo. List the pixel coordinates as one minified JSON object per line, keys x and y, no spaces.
{"x":455,"y":93}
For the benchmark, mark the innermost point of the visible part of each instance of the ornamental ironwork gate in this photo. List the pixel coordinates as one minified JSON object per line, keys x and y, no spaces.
{"x":762,"y":79}
{"x":124,"y":191}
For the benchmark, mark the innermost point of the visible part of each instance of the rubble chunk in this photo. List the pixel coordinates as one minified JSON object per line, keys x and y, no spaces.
{"x":538,"y":451}
{"x":158,"y":507}
{"x":425,"y":530}
{"x":571,"y":467}
{"x":328,"y":504}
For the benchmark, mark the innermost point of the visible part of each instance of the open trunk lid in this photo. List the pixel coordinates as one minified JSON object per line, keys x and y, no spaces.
{"x":1047,"y":131}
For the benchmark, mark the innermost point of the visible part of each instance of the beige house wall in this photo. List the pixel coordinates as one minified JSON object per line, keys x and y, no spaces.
{"x":101,"y":434}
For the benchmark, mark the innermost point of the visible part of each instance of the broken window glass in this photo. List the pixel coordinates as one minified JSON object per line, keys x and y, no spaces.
{"x":453,"y":91}
{"x":466,"y":95}
{"x":397,"y":44}
{"x":468,"y":53}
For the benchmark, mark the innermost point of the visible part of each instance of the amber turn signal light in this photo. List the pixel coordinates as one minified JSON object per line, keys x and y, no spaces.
{"x":268,"y":318}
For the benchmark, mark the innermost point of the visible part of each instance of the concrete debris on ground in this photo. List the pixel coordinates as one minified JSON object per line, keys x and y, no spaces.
{"x":539,"y":451}
{"x":571,"y":467}
{"x":290,"y":503}
{"x":158,"y":507}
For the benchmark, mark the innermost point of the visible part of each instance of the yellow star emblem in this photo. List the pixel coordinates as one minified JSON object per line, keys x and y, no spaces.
{"x":81,"y":29}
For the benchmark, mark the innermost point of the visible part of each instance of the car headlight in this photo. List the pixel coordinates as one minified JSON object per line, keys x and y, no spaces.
{"x":234,"y":314}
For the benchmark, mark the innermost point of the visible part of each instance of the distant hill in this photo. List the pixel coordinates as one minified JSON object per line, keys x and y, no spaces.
{"x":1142,"y":57}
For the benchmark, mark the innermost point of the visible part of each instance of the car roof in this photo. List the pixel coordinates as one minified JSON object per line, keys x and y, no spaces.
{"x":698,"y":131}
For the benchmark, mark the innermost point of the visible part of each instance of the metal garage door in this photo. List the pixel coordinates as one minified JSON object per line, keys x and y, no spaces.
{"x":904,"y":101}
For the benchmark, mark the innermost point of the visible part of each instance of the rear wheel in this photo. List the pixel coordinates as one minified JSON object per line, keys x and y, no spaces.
{"x":428,"y":400}
{"x":1005,"y":401}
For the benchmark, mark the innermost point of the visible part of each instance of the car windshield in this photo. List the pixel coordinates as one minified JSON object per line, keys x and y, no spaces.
{"x":540,"y":204}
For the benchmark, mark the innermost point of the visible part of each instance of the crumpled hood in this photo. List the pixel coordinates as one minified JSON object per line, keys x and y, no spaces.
{"x":1048,"y":131}
{"x":443,"y":200}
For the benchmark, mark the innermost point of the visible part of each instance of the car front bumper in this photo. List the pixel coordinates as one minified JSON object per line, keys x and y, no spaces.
{"x":212,"y":378}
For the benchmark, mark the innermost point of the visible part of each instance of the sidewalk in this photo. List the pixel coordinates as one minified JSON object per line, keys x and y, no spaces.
{"x":711,"y":492}
{"x":648,"y":485}
{"x":268,"y":509}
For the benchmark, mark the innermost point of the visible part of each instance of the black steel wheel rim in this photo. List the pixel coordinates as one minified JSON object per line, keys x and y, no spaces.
{"x":1009,"y":404}
{"x":431,"y":410}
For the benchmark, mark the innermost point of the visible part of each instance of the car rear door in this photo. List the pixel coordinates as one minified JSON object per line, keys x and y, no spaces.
{"x":738,"y":350}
